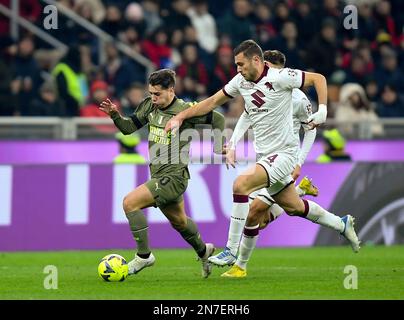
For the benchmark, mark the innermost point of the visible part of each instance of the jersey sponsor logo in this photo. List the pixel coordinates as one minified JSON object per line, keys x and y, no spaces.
{"x":246,"y":84}
{"x":157,"y":135}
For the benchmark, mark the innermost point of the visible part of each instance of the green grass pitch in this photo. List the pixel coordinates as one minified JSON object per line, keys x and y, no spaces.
{"x":273,"y":273}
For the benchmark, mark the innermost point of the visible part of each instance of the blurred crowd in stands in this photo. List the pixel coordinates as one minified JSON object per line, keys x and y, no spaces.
{"x":364,"y":66}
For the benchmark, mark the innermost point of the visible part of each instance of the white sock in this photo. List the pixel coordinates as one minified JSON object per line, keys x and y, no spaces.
{"x":300,"y":191}
{"x":321,"y":216}
{"x":247,"y":245}
{"x":237,"y":221}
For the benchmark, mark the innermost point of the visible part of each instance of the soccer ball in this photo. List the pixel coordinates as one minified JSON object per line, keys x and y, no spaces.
{"x":113,"y":267}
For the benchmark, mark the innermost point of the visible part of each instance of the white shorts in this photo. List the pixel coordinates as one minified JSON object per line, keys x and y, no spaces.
{"x":263,"y":195}
{"x":279,"y":168}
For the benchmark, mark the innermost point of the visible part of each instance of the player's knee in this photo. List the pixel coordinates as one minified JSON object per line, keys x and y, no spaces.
{"x":129,"y":205}
{"x":240,"y":186}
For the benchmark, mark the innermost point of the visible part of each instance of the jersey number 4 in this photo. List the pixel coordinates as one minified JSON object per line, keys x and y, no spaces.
{"x":258,"y":101}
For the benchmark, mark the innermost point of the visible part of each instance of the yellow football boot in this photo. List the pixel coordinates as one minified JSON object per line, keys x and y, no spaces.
{"x":308,"y":187}
{"x":235,"y":272}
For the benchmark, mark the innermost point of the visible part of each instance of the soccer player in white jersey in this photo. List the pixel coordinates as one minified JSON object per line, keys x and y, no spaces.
{"x":264,"y":207}
{"x":267,"y":93}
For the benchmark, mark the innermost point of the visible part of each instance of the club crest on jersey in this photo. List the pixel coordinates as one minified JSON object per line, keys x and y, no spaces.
{"x":246,"y":84}
{"x":269,"y":86}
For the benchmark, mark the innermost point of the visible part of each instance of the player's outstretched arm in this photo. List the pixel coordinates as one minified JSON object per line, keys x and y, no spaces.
{"x":241,"y":127}
{"x":320,"y":84}
{"x":200,"y":109}
{"x":125,"y":125}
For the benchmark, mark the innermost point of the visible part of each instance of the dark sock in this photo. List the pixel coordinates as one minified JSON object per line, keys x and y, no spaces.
{"x":139,"y":229}
{"x":192,"y":236}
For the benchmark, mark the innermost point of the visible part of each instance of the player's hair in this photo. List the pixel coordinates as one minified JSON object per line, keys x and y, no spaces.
{"x":249,"y":48}
{"x":164,"y":78}
{"x":275,"y":57}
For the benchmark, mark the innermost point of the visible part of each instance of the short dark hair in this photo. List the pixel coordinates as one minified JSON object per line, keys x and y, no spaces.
{"x":249,"y":48}
{"x":275,"y":57}
{"x":164,"y":78}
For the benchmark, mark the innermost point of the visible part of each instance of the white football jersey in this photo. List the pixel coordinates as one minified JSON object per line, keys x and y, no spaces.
{"x":268,"y":103}
{"x":302,"y":110}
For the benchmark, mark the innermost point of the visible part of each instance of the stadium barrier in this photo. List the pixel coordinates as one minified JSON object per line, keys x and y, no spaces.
{"x":79,"y":206}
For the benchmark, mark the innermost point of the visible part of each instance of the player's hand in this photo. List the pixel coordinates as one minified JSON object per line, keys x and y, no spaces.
{"x":296,"y":172}
{"x":108,"y":107}
{"x":174,"y":124}
{"x":230,"y":158}
{"x":318,"y":117}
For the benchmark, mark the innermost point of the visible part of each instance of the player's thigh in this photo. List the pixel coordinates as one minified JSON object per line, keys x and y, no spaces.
{"x":167,"y":190}
{"x":252,"y":179}
{"x":138,"y":199}
{"x":175,"y":213}
{"x":289,"y":200}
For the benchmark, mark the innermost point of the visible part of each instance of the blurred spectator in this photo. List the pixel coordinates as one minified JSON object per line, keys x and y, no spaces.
{"x":354,"y":110}
{"x":96,"y":7}
{"x":391,"y":103}
{"x":204,"y":24}
{"x":113,"y":22}
{"x":27,"y":73}
{"x":263,"y":23}
{"x":8,"y":86}
{"x":368,"y":29}
{"x":157,"y":49}
{"x":372,"y":90}
{"x":385,"y":21}
{"x":192,"y":72}
{"x":135,"y":17}
{"x":98,"y":93}
{"x":334,"y":147}
{"x":237,"y":23}
{"x":332,"y":10}
{"x":70,"y":82}
{"x":127,"y":149}
{"x":119,"y":72}
{"x":176,"y":43}
{"x":282,"y":14}
{"x":176,"y":16}
{"x":151,"y":11}
{"x":132,"y":98}
{"x":224,"y":70}
{"x":357,"y":71}
{"x":306,"y":22}
{"x":47,"y":104}
{"x":322,"y":51}
{"x":388,"y":72}
{"x":287,"y":43}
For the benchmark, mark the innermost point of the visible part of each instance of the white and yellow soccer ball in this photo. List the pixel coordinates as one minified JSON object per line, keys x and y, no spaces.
{"x":113,"y":268}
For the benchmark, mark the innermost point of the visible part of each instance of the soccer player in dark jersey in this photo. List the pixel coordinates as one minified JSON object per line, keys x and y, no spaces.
{"x":169,"y":157}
